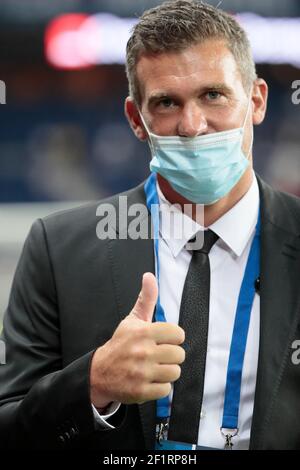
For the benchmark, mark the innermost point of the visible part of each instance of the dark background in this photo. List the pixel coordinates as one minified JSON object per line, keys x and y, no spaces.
{"x":63,"y":135}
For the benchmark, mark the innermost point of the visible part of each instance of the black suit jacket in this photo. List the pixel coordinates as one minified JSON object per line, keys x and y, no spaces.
{"x":70,"y":292}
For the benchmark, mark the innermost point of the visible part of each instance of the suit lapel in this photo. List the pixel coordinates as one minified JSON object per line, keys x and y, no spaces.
{"x":130,"y":259}
{"x":279,"y":308}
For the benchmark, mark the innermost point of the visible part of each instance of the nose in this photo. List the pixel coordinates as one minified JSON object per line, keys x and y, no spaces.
{"x":192,"y":122}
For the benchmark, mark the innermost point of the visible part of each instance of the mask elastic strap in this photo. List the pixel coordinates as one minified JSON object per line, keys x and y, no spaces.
{"x":143,"y":121}
{"x":248,"y":108}
{"x":245,"y":120}
{"x":146,"y":127}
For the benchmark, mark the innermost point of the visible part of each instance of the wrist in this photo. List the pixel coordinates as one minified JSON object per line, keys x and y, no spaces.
{"x":103,"y":409}
{"x":100,"y":402}
{"x":99,"y":398}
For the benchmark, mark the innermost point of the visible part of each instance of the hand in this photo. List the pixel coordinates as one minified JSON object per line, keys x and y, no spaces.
{"x":142,"y":358}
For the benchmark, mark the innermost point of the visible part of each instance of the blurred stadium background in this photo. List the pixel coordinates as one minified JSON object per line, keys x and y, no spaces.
{"x":63,"y":136}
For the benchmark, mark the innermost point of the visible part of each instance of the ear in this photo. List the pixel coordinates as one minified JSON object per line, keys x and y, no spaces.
{"x":259,"y":100}
{"x":134,"y":119}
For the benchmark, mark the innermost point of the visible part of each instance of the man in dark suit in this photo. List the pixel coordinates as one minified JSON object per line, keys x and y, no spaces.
{"x":85,"y":364}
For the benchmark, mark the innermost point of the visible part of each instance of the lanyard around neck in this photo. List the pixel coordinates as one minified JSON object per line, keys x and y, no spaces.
{"x":241,"y":324}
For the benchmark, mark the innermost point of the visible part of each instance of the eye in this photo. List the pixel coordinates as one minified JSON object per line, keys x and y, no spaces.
{"x":213,"y":95}
{"x":166,"y":102}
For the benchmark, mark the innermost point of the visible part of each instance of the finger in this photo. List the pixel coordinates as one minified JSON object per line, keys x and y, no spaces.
{"x":147,"y":298}
{"x":168,"y":354}
{"x":167,"y":333}
{"x":155,"y":391}
{"x":163,"y":373}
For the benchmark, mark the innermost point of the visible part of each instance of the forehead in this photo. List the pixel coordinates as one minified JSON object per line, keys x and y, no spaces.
{"x":194,"y":67}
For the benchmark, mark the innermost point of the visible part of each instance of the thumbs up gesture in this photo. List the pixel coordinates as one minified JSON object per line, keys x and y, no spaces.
{"x":142,"y":358}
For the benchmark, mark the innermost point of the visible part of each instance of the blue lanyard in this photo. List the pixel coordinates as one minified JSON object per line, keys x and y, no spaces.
{"x":239,"y":335}
{"x":242,"y":317}
{"x":152,"y":202}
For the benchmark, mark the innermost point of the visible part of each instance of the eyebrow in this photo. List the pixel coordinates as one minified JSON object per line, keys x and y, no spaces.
{"x":210,"y":87}
{"x":218,"y":87}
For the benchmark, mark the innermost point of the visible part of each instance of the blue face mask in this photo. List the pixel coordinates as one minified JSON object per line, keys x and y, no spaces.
{"x":202,"y":169}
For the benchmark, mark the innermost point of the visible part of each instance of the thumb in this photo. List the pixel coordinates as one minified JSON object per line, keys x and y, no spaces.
{"x":147,"y":298}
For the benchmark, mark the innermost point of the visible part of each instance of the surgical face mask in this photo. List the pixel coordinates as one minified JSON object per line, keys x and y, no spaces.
{"x":202,"y":169}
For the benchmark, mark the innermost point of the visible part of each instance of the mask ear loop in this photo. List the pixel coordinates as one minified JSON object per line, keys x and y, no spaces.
{"x":243,"y":127}
{"x":148,"y":130}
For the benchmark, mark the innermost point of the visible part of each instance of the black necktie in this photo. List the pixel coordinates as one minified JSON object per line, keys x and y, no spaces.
{"x":193,"y":318}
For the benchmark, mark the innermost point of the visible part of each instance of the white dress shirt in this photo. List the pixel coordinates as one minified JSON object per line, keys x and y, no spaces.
{"x":228,"y":258}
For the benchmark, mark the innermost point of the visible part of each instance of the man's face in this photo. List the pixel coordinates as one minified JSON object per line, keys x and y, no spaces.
{"x":194,"y":92}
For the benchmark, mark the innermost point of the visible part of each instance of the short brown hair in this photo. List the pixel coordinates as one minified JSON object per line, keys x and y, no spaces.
{"x":176,"y":25}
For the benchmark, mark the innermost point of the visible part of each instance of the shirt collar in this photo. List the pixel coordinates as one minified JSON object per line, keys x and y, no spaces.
{"x":234,"y":228}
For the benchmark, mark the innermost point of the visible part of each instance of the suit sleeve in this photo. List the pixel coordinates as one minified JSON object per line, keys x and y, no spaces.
{"x":42,"y":404}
